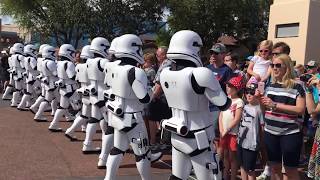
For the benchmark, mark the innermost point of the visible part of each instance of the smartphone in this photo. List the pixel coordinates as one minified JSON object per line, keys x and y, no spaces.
{"x":261,"y":87}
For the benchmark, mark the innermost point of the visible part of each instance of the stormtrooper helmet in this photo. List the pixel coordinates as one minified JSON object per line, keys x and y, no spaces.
{"x":67,"y":51}
{"x":113,"y":46}
{"x":129,"y":46}
{"x":30,"y":50}
{"x":185,"y":45}
{"x":86,"y":53}
{"x":49,"y":52}
{"x":41,"y":48}
{"x":100,"y":46}
{"x":17,"y":48}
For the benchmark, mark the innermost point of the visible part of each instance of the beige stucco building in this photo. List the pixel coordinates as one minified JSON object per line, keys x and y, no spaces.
{"x":297,"y":22}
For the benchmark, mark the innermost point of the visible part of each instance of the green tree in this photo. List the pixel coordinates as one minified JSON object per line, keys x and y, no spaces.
{"x":71,"y":19}
{"x":63,"y":20}
{"x":213,"y":18}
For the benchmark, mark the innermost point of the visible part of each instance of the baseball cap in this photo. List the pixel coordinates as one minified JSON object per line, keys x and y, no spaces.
{"x":218,"y":48}
{"x":313,"y":63}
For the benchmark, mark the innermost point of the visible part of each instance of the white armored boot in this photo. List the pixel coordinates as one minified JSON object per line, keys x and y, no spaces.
{"x":39,"y":115}
{"x":14,"y":100}
{"x":54,"y":127}
{"x":33,"y":108}
{"x":106,"y":145}
{"x":143,"y":167}
{"x":113,"y":164}
{"x":54,"y":106}
{"x":24,"y":102}
{"x":79,"y":121}
{"x":87,"y":144}
{"x":7,"y":92}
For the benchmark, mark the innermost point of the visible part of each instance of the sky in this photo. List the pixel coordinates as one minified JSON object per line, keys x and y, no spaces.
{"x":6,"y":19}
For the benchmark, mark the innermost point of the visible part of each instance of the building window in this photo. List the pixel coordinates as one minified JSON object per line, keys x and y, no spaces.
{"x":287,"y":30}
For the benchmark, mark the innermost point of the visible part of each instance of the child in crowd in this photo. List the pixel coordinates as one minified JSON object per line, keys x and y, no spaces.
{"x":228,"y":125}
{"x":249,"y":134}
{"x":259,"y":67}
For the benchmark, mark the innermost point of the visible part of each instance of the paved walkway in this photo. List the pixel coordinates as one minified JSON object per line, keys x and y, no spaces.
{"x":29,"y":151}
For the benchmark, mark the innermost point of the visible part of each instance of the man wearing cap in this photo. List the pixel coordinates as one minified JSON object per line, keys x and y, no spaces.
{"x":312,"y":68}
{"x":223,"y":73}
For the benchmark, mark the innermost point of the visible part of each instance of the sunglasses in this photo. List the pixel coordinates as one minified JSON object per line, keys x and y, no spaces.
{"x":310,"y":67}
{"x":250,"y":91}
{"x":278,"y":65}
{"x":265,"y":51}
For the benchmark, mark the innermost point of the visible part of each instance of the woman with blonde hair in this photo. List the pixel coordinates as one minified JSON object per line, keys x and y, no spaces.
{"x":283,"y":101}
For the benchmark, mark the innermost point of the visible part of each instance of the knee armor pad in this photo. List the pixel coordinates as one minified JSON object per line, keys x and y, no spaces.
{"x":110,"y":130}
{"x":116,"y":151}
{"x":93,"y":120}
{"x":143,"y":156}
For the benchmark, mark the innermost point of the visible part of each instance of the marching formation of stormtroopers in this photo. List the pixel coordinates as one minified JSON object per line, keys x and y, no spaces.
{"x":107,"y":89}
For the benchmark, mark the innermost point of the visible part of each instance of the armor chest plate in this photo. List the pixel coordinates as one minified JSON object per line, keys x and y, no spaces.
{"x":95,"y":69}
{"x":179,"y":91}
{"x":120,"y":83}
{"x":81,"y":73}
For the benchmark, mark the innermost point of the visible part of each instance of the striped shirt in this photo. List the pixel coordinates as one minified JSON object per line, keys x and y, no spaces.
{"x":283,"y":123}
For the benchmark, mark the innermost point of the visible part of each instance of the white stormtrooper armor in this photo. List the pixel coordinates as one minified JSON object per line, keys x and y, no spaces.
{"x":126,"y":98}
{"x":40,"y":86}
{"x":83,"y":80}
{"x":17,"y":72}
{"x":49,"y":77}
{"x":66,"y":84}
{"x":10,"y":86}
{"x":30,"y":64}
{"x":95,"y":70}
{"x":188,"y":88}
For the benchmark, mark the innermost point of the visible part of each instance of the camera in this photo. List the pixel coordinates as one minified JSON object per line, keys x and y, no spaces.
{"x":305,"y":77}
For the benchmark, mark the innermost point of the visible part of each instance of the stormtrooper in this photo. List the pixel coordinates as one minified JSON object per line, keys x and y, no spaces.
{"x":66,"y":84}
{"x":82,"y":79}
{"x":188,"y":87}
{"x":17,"y":72}
{"x":126,"y":98}
{"x":34,"y":107}
{"x":10,"y":86}
{"x":49,"y":77}
{"x":99,"y":47}
{"x":30,"y":64}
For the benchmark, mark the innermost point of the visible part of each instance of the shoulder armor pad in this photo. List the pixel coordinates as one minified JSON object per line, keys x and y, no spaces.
{"x":52,"y":66}
{"x":205,"y":78}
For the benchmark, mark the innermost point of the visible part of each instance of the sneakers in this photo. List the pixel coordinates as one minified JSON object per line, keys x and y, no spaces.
{"x":263,"y":176}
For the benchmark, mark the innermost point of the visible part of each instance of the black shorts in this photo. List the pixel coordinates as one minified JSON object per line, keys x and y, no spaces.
{"x":159,"y":110}
{"x":284,"y":148}
{"x":247,"y":158}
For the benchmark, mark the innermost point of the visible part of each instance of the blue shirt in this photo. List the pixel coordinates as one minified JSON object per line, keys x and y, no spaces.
{"x":223,"y":74}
